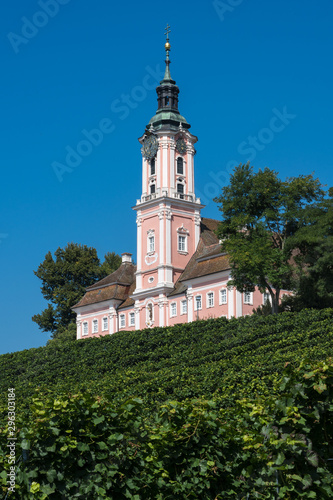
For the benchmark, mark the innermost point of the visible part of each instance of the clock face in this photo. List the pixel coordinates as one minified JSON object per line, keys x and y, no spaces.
{"x":150,"y":147}
{"x":181,"y":146}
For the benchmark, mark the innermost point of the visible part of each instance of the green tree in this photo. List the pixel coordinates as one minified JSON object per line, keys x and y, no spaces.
{"x":260,"y":215}
{"x":64,"y":280}
{"x":111,"y":262}
{"x":314,"y":259}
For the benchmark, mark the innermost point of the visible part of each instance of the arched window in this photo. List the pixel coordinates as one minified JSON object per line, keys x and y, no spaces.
{"x":152,"y":166}
{"x":180,"y":166}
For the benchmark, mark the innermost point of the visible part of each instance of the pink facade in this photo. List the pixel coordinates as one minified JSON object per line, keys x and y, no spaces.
{"x":181,"y":274}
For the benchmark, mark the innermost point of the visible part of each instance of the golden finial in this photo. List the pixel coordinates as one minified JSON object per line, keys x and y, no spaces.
{"x":167,"y":45}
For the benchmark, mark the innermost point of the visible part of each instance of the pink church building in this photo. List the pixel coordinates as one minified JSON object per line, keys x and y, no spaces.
{"x":181,"y":273}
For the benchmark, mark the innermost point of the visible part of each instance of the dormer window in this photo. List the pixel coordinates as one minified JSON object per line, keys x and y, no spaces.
{"x":180,"y":166}
{"x":152,"y":167}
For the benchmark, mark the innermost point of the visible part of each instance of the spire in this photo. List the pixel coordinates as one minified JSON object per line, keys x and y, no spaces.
{"x":167,"y":76}
{"x":167,"y":114}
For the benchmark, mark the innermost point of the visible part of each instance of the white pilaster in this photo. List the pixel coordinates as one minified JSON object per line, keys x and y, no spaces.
{"x":144,"y":176}
{"x":172,"y":164}
{"x":239,"y":304}
{"x":197,"y":220}
{"x":158,"y":169}
{"x":139,"y":240}
{"x":79,"y":330}
{"x":137,"y":315}
{"x":189,"y":306}
{"x":165,"y":169}
{"x":230,"y":293}
{"x":168,"y":237}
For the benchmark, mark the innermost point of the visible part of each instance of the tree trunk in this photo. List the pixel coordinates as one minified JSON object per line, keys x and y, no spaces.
{"x":275,"y":301}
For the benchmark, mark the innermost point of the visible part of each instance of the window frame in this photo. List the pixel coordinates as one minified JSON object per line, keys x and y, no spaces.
{"x":95,"y":324}
{"x":249,"y":301}
{"x":85,"y":324}
{"x":180,"y":163}
{"x":105,"y":328}
{"x":131,"y":315}
{"x":122,"y":319}
{"x":182,"y":243}
{"x":152,"y":167}
{"x":173,"y":305}
{"x":224,"y":294}
{"x":210,"y":299}
{"x":183,"y":310}
{"x":196,"y":303}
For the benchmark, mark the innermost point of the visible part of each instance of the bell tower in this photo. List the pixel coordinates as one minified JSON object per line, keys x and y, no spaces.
{"x":168,"y":212}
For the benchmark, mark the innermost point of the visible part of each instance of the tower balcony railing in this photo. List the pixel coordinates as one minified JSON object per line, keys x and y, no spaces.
{"x":159,"y":193}
{"x":182,"y":196}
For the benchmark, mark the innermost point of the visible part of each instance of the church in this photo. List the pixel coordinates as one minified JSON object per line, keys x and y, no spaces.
{"x":181,"y":273}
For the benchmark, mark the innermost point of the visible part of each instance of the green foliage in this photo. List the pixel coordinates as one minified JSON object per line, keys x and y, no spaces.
{"x":111,"y":263}
{"x":64,"y":280}
{"x":261,"y":214}
{"x":83,"y":446}
{"x":201,"y":359}
{"x":314,"y":258}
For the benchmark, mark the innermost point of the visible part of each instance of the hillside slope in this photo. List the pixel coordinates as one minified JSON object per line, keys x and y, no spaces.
{"x":217,"y":357}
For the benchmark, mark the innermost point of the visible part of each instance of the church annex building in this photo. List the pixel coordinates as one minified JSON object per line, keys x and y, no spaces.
{"x":181,"y":273}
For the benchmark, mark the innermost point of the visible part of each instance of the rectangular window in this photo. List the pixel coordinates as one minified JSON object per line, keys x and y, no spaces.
{"x":198,"y":304}
{"x":183,"y":307}
{"x":181,"y":243}
{"x":85,"y":328}
{"x":151,"y":244}
{"x":173,"y":309}
{"x":152,"y":189}
{"x":105,"y":324}
{"x":180,"y":166}
{"x":131,"y":319}
{"x":266,"y":298}
{"x":152,"y":167}
{"x":95,"y":326}
{"x":248,"y":298}
{"x":122,"y":321}
{"x":180,"y":191}
{"x":210,"y":299}
{"x":223,"y":296}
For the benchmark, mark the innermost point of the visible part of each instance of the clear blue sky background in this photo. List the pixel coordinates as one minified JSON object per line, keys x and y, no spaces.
{"x":234,"y":68}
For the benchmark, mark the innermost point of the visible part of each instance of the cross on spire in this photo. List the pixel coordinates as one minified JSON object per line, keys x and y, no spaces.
{"x":167,"y":31}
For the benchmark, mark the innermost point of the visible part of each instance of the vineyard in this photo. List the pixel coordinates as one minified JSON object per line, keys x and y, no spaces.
{"x":213,"y":409}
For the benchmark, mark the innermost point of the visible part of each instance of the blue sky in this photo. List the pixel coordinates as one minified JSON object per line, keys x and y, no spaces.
{"x":255,"y":82}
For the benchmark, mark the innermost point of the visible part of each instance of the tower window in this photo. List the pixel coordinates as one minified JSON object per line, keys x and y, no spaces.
{"x":180,"y":191}
{"x":152,"y":189}
{"x":180,"y":166}
{"x":152,"y":166}
{"x":151,"y":244}
{"x":167,"y":100}
{"x":181,"y":243}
